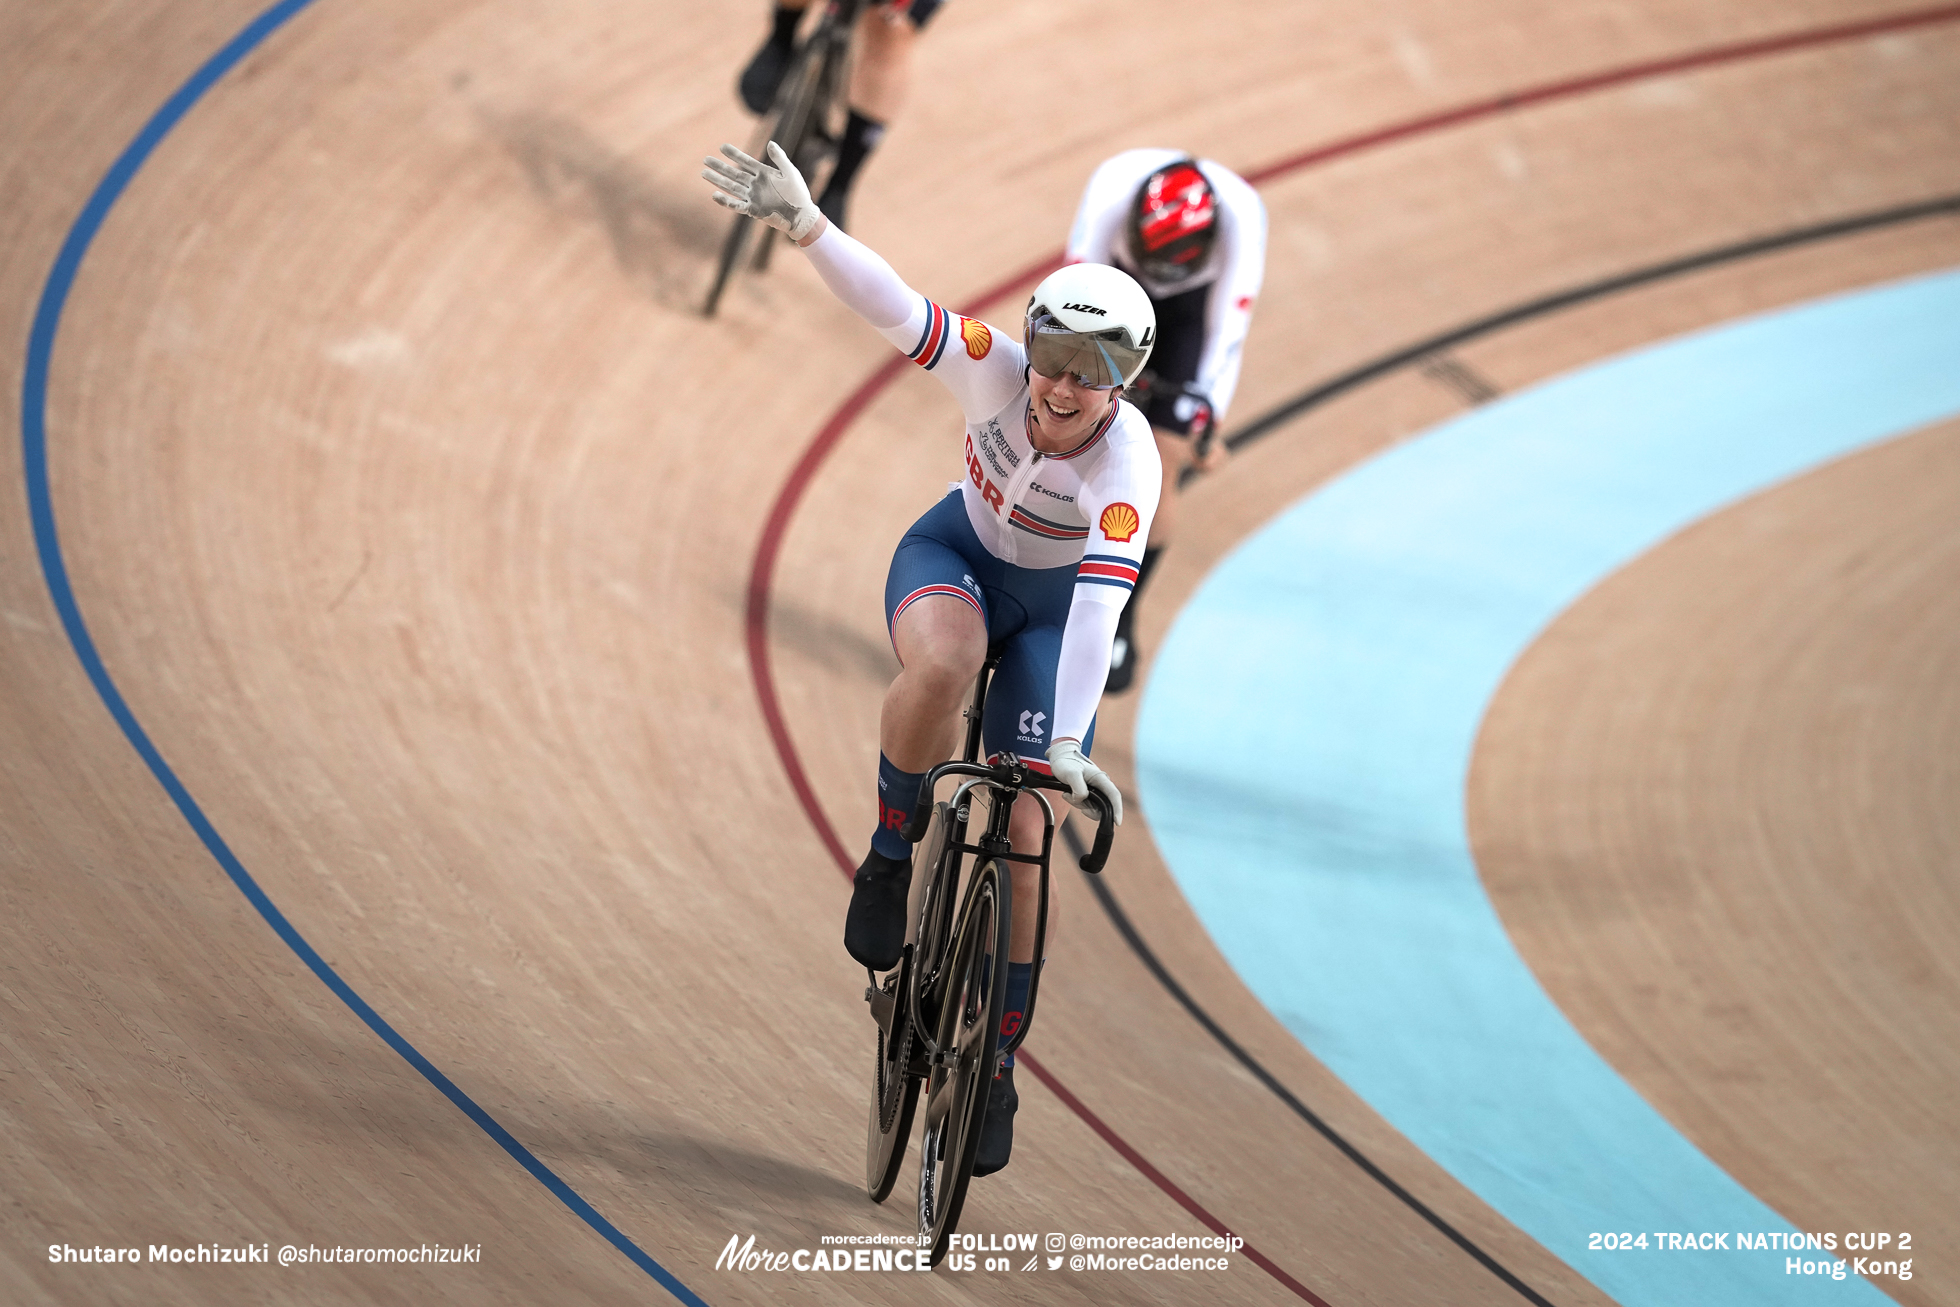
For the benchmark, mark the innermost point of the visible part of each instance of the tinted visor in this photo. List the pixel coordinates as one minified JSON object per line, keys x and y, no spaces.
{"x":1098,"y":359}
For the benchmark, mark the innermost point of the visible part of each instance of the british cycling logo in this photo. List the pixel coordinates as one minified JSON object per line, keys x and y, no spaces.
{"x":1000,"y":456}
{"x":998,"y":442}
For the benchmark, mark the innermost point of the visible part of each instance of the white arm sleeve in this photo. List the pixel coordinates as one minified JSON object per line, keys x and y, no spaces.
{"x":970,"y":358}
{"x":1083,"y":665}
{"x":1120,"y":502}
{"x":863,"y":281}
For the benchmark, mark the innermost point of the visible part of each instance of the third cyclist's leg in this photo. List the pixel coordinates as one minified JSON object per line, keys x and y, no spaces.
{"x":1174,"y":452}
{"x":881,"y":82}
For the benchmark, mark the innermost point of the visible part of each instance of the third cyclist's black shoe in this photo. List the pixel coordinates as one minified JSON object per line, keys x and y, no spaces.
{"x":874,"y":928}
{"x":764,"y":76}
{"x":997,"y":1130}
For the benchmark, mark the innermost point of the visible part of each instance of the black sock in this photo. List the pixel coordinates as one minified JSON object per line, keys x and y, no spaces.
{"x":783,"y":31}
{"x":898,"y":795}
{"x":861,"y":137}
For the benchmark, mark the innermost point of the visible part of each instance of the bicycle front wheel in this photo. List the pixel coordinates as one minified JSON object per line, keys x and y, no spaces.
{"x":968,"y":1036}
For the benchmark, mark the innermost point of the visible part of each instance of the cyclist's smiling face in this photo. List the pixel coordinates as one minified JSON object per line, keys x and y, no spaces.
{"x":1065,"y":411}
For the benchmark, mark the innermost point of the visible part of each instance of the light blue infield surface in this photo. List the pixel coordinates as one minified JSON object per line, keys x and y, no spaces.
{"x":1306,"y":736}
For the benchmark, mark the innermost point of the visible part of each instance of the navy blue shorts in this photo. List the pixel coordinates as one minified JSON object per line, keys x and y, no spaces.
{"x":1024,"y":608}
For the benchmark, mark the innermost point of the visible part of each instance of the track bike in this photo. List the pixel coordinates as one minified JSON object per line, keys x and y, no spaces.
{"x":805,"y":120}
{"x":939,"y":1011}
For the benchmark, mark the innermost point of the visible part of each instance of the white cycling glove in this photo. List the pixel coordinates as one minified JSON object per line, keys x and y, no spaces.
{"x":773,"y":192}
{"x":1072,"y":767}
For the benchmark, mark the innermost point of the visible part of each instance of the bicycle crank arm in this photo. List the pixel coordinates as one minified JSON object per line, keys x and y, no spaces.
{"x":882,"y":1007}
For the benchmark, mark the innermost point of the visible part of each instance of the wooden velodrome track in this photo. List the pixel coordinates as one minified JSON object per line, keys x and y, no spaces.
{"x":414,"y":514}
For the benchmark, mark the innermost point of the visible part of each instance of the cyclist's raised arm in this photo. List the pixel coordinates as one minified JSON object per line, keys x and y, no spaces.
{"x":1120,"y":501}
{"x":982,"y":370}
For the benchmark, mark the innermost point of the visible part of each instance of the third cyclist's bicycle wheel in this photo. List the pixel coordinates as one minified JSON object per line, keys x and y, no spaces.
{"x":796,"y":112}
{"x":968,"y":1036}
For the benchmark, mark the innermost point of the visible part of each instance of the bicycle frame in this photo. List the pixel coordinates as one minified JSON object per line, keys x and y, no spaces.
{"x":931,"y":1036}
{"x":1006,"y":781}
{"x":938,"y":915}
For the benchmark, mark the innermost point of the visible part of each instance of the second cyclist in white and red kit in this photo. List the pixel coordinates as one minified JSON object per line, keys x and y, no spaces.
{"x":1193,"y":232}
{"x":1035,"y":549}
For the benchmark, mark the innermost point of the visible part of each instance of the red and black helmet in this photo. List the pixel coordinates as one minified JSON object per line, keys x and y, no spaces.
{"x":1173,"y":223}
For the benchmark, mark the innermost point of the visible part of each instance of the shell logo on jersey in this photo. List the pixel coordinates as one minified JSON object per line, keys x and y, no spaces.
{"x":977,"y":337}
{"x":1119,"y":522}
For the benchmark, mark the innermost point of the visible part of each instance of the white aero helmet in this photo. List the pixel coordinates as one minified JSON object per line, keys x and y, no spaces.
{"x":1091,"y":320}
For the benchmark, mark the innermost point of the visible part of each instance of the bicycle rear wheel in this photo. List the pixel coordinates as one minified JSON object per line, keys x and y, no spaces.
{"x":968,"y":1035}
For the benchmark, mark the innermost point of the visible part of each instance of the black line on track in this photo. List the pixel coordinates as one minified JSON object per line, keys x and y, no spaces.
{"x":1424,"y":352}
{"x":1121,"y":920}
{"x":1267,"y":422}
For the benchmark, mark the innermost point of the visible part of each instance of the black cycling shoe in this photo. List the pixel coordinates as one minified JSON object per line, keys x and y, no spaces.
{"x":764,"y":76}
{"x":997,"y":1130}
{"x":1122,"y":663}
{"x":874,"y":928}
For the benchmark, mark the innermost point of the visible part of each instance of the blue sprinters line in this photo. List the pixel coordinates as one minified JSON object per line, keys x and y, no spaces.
{"x":40,"y":507}
{"x":1306,"y":737}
